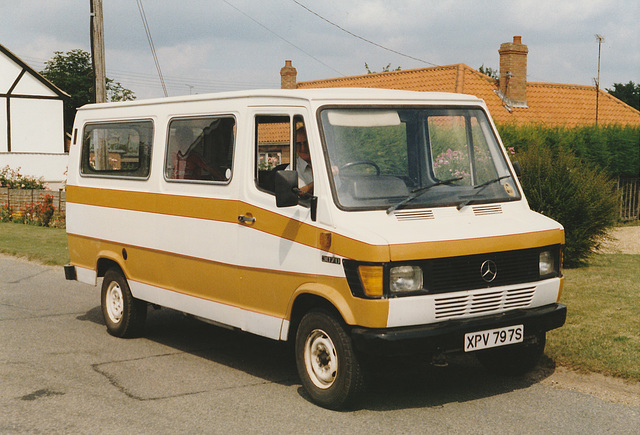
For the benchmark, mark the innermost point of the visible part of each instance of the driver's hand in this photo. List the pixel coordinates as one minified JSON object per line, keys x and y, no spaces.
{"x":308,"y":188}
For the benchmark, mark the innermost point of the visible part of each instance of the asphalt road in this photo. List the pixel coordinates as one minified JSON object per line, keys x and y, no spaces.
{"x":60,"y":372}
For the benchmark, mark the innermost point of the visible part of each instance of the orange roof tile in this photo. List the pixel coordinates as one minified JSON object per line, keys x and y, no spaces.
{"x":548,"y":103}
{"x":276,"y":133}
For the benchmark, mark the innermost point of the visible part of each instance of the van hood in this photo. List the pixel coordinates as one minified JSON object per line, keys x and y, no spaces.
{"x":416,"y":234}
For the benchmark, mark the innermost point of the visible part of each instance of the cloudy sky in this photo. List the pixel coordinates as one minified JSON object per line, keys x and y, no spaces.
{"x":218,"y":45}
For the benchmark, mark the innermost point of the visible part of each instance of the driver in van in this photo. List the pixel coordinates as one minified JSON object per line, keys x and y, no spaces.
{"x":303,"y":162}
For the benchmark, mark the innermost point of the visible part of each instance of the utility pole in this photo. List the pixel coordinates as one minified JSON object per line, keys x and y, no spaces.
{"x":600,"y":39}
{"x":97,"y":51}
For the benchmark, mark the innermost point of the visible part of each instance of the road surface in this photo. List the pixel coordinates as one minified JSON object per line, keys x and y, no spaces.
{"x":60,"y":372}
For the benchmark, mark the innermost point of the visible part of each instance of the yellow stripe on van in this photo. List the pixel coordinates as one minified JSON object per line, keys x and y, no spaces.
{"x":269,"y":292}
{"x":175,"y":205}
{"x":224,"y":210}
{"x":454,"y":248}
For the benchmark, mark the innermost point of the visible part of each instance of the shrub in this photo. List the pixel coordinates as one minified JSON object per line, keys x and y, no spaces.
{"x":612,"y":148}
{"x":580,"y":197}
{"x":15,"y":180}
{"x":6,"y":211}
{"x":59,"y":220}
{"x":41,"y":213}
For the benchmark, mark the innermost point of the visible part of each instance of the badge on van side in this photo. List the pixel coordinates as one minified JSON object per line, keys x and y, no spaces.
{"x":330,"y":259}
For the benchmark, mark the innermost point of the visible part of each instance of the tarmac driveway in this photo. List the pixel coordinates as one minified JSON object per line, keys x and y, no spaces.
{"x":60,"y":372}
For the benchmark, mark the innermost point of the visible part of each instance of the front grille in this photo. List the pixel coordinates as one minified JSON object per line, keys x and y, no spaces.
{"x":456,"y":274}
{"x":465,"y":273}
{"x":482,"y":302}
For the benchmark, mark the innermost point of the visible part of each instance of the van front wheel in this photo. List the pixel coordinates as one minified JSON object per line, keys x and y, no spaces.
{"x":123,"y":314}
{"x":326,"y":361}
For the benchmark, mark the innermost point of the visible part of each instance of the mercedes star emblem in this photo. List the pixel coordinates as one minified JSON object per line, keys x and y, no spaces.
{"x":488,"y":271}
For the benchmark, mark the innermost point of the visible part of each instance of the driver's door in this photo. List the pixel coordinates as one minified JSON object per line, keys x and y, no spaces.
{"x":275,"y":245}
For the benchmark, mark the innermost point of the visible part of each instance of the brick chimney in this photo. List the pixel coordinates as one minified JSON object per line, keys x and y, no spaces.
{"x":288,"y":76}
{"x":513,"y":72}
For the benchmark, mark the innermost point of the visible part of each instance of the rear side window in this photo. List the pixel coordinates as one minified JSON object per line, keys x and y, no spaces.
{"x":121,"y":149}
{"x":200,"y":149}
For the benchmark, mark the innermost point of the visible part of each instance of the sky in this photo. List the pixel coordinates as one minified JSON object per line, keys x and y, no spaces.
{"x":207,"y":46}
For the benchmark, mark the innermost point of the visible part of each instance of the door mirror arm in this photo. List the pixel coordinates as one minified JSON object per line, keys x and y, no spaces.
{"x":288,"y":193}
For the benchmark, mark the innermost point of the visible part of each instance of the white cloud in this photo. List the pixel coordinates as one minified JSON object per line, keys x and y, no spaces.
{"x":217,"y":41}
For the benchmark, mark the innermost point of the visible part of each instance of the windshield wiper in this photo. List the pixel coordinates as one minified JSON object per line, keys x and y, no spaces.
{"x":481,"y":187}
{"x":419,"y":191}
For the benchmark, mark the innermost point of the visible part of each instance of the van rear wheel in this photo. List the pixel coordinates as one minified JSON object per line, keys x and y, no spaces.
{"x":326,"y":360}
{"x":123,"y":314}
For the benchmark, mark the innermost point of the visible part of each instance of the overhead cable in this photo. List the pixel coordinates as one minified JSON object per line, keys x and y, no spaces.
{"x":285,"y":40}
{"x":153,"y":49}
{"x":360,"y":37}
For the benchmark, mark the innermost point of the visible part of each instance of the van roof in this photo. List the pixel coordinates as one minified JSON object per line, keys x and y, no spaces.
{"x":330,"y":94}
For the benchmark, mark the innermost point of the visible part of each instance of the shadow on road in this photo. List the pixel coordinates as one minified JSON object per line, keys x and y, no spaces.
{"x":392,"y":384}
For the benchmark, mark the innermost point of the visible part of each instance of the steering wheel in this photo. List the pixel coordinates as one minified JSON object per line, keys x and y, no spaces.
{"x":361,"y":162}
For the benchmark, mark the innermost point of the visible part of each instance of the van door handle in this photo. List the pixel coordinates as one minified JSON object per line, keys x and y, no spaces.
{"x":246,"y":219}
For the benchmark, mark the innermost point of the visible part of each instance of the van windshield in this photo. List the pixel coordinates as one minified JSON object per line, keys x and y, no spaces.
{"x":403,"y":158}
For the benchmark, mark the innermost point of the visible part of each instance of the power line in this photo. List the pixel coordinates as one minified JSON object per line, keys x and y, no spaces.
{"x":130,"y":78}
{"x":153,"y":49}
{"x":285,"y":40}
{"x":360,"y":37}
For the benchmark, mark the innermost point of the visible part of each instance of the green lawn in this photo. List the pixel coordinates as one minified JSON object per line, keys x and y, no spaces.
{"x":46,"y":245}
{"x":602,"y":332}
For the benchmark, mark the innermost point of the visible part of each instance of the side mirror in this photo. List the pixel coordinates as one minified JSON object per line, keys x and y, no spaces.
{"x":517,"y":168}
{"x":286,"y":187}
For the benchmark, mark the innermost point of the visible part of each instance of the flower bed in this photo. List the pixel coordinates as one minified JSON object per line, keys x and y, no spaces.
{"x":25,"y":200}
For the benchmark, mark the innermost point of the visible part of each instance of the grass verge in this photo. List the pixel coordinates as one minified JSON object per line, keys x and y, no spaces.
{"x":602,"y":332}
{"x":46,"y":245}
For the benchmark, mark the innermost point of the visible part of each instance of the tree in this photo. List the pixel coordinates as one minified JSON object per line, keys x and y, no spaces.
{"x":629,"y":93}
{"x":488,"y":71}
{"x":385,"y":69}
{"x":72,"y":72}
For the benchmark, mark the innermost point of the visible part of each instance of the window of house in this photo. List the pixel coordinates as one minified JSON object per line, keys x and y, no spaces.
{"x":200,"y":149}
{"x":117,"y":149}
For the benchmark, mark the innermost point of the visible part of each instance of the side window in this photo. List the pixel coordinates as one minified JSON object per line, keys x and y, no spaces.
{"x":117,"y":149}
{"x":275,"y":136}
{"x":200,"y":149}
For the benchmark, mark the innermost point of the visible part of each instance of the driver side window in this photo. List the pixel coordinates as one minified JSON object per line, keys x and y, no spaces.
{"x":280,"y":144}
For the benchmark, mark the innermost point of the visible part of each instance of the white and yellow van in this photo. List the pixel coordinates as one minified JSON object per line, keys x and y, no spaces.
{"x":413,"y":235}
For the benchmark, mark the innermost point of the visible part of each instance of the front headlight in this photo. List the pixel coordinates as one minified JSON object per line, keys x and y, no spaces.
{"x":405,"y":279}
{"x":546,"y":263}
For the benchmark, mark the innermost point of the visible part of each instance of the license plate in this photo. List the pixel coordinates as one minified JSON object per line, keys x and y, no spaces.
{"x":493,"y":338}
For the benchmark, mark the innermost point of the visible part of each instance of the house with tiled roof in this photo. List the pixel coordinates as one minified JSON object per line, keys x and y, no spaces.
{"x":510,"y":99}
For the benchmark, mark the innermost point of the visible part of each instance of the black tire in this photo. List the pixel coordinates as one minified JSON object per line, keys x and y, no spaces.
{"x":515,"y":359}
{"x":327,"y":362}
{"x":123,"y":314}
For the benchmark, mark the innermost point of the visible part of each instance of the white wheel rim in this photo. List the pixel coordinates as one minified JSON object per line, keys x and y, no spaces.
{"x":320,"y":359}
{"x":114,"y":302}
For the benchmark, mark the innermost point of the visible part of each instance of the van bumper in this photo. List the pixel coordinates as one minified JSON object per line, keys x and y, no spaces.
{"x":70,"y":273}
{"x":449,"y":335}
